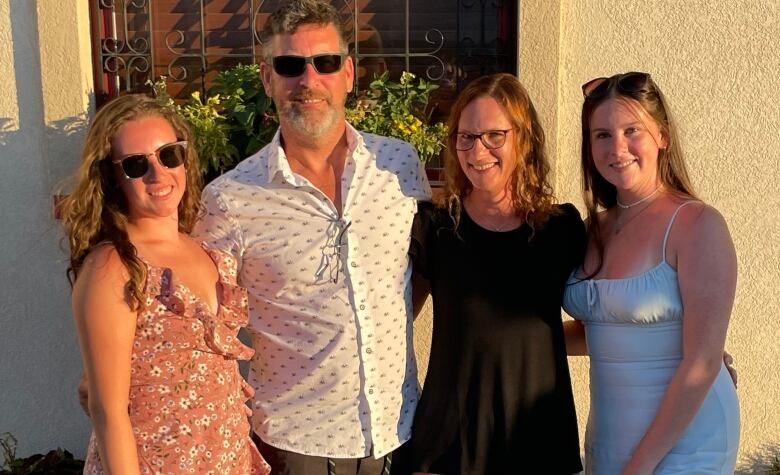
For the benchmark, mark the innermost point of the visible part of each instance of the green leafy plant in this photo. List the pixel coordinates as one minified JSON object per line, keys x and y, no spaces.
{"x":212,"y":133}
{"x":399,"y":109}
{"x":247,"y":108}
{"x":55,"y":462}
{"x":210,"y":128}
{"x":237,"y":118}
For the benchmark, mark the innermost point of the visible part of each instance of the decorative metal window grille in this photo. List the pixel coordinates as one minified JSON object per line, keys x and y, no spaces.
{"x":189,"y":41}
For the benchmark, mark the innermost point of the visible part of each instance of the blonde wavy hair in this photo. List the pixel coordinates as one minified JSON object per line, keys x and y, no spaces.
{"x":532,"y":195}
{"x":96,"y":211}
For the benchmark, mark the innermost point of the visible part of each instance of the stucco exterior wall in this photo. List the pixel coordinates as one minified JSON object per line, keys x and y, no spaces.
{"x":44,"y":100}
{"x":717,"y":63}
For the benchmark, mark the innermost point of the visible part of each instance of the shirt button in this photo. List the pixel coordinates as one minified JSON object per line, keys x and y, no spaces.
{"x":362,"y":307}
{"x":370,"y":391}
{"x":369,"y":351}
{"x":353,"y":264}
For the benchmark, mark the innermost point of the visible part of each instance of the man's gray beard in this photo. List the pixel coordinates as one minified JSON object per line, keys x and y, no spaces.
{"x":307,"y":124}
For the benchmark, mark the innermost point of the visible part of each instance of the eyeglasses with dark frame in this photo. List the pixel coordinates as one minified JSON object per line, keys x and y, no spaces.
{"x":136,"y":165}
{"x":631,"y":82}
{"x":491,"y":139}
{"x":291,"y":66}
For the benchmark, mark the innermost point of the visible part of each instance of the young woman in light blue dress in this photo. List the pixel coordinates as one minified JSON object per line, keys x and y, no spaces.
{"x":653,"y":297}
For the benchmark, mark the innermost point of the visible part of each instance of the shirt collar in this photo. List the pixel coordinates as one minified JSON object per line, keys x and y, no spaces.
{"x":279,"y":167}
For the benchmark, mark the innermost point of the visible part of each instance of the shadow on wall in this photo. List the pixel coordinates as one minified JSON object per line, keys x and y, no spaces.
{"x":41,"y":363}
{"x":763,"y":461}
{"x":67,"y":135}
{"x":62,"y":139}
{"x":53,"y":153}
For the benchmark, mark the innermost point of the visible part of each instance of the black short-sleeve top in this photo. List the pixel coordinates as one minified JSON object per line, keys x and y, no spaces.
{"x":497,"y":392}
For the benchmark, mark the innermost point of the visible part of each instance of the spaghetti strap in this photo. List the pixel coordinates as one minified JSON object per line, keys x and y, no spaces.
{"x":669,"y":227}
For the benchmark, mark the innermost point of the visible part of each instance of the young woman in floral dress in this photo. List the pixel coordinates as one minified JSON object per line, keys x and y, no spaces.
{"x":157,"y":313}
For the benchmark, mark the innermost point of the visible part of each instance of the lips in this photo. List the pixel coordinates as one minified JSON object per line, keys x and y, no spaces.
{"x":308,"y":97}
{"x":161,"y":192}
{"x":483,"y":166}
{"x":622,"y":164}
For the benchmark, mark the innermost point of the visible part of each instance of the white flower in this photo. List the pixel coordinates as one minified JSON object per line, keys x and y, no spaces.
{"x":156,"y":371}
{"x":406,"y":77}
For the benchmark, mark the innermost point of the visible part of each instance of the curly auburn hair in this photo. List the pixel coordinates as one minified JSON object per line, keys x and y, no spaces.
{"x":532,"y":195}
{"x":96,"y":211}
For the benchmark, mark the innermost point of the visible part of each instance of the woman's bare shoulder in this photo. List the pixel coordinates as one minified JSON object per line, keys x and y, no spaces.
{"x":102,"y":267}
{"x":699,"y":218}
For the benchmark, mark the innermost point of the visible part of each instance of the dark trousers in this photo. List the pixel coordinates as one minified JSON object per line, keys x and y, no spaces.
{"x":284,"y":462}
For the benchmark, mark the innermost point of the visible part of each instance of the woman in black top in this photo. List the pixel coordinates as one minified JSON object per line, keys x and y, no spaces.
{"x":497,"y":397}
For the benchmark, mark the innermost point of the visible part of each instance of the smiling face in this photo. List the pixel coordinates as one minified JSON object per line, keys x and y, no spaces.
{"x":156,"y":194}
{"x":312,"y":104}
{"x":489,"y":171}
{"x":625,"y":145}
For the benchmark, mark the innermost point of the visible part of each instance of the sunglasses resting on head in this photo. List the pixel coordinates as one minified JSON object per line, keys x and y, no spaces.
{"x":631,"y":82}
{"x":135,"y":165}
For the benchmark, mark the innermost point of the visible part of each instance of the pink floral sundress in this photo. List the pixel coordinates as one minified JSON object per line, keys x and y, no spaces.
{"x":187,"y":398}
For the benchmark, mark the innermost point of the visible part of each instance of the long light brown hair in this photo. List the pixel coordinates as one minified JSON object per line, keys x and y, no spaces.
{"x":96,"y":211}
{"x":532,"y":195}
{"x":600,"y":194}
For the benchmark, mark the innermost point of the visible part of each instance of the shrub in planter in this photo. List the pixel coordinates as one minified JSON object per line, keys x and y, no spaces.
{"x":55,"y":462}
{"x":248,"y":110}
{"x":399,"y":110}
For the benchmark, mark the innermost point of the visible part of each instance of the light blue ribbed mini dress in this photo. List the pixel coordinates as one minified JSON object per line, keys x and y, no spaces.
{"x":633,"y":328}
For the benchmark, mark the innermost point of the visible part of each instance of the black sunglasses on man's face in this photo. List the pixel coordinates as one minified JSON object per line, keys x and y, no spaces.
{"x":293,"y":66}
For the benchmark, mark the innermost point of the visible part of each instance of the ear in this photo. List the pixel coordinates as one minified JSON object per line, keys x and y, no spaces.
{"x":664,"y":139}
{"x":266,"y":74}
{"x":349,"y":72}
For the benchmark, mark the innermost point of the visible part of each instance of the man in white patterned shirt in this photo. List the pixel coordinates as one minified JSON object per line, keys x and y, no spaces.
{"x":319,"y":221}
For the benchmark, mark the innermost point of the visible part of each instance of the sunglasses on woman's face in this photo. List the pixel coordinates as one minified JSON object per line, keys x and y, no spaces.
{"x":293,"y":66}
{"x":628,"y":82}
{"x":169,"y":155}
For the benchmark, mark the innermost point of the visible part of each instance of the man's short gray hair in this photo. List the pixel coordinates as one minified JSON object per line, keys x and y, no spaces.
{"x":292,"y":14}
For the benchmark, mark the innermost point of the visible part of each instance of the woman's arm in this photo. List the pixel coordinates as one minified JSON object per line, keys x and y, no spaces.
{"x":707,"y":274}
{"x":106,"y":327}
{"x":574,"y":333}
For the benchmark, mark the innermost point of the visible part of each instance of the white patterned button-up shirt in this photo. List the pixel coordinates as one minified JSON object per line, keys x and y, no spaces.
{"x":329,"y":295}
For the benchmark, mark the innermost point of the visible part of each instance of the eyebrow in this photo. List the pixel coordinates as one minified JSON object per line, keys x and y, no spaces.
{"x":622,"y":126}
{"x":499,"y":129}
